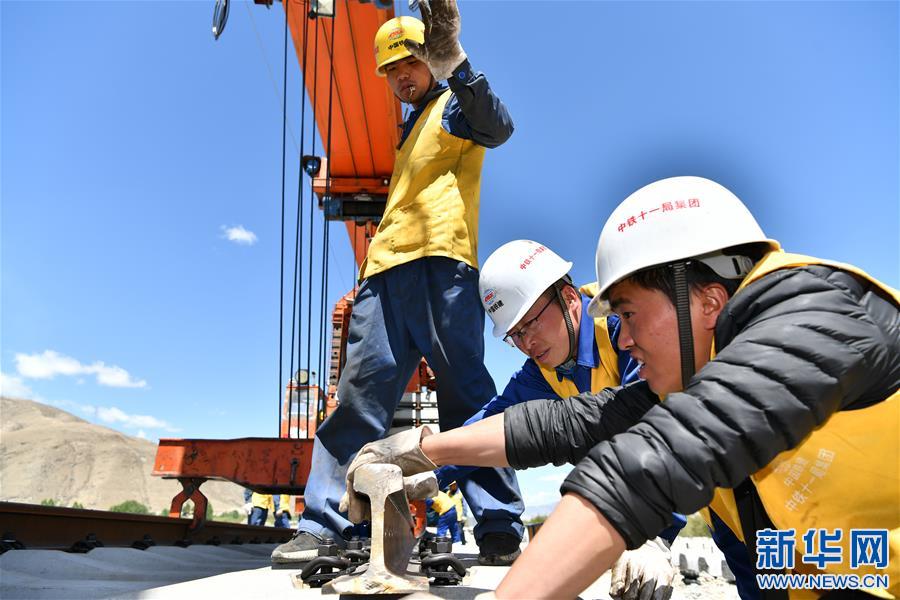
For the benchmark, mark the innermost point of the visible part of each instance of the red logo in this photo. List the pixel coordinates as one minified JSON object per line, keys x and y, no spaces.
{"x":489,"y":296}
{"x":396,"y":34}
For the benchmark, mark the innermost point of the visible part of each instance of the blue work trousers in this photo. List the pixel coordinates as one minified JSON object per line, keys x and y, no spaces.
{"x":427,"y":307}
{"x":258,"y":516}
{"x":448,"y":525}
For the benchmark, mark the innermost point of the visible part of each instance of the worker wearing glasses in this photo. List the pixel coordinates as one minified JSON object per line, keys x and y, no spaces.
{"x":526,"y":290}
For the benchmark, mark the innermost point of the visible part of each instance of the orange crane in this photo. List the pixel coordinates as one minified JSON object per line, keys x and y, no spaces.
{"x":358,"y":120}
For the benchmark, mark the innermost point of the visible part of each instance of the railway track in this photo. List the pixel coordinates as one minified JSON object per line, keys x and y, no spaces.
{"x":27,"y":526}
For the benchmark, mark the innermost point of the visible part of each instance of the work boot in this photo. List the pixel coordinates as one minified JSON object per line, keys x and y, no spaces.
{"x":301,"y":548}
{"x":498,"y":549}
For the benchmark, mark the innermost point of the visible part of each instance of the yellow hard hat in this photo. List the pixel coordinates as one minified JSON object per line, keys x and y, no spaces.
{"x":389,"y":40}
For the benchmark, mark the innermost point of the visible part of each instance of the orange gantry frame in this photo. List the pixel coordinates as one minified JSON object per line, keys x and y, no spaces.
{"x":267,"y":465}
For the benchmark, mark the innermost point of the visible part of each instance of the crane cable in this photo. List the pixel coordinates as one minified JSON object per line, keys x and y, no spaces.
{"x":298,"y":249}
{"x":299,"y":271}
{"x":281,"y":270}
{"x":323,"y":377}
{"x":315,"y":101}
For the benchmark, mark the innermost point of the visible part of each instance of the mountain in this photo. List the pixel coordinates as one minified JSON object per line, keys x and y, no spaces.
{"x":46,"y":453}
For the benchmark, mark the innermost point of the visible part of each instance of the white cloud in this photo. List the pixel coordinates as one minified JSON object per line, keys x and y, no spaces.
{"x":114,"y":415}
{"x":49,"y":364}
{"x":111,"y":414}
{"x":14,"y":387}
{"x":239,"y":235}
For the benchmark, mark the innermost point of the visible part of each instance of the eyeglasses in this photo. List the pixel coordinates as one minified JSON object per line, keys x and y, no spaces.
{"x":516,"y":338}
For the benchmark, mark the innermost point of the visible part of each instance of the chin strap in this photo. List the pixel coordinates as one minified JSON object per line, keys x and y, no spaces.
{"x":683,"y":314}
{"x":569,"y":363}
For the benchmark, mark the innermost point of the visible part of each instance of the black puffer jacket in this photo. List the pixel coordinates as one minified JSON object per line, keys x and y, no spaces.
{"x":793,"y":347}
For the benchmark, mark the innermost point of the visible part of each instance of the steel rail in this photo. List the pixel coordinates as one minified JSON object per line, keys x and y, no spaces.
{"x":79,"y":530}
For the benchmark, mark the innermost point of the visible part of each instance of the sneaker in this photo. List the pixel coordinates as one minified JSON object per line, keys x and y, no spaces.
{"x":498,"y":549}
{"x":303,"y":547}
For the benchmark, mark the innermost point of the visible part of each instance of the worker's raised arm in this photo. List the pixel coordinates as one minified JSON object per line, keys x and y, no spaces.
{"x":474,"y":112}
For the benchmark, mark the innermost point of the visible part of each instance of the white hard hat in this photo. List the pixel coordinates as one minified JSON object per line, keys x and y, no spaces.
{"x":669,"y":220}
{"x":514,"y":277}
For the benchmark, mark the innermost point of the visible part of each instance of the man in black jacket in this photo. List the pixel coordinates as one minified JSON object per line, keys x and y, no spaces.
{"x":780,"y":374}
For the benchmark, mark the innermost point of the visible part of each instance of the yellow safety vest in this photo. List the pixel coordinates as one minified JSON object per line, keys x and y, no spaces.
{"x":605,"y":374}
{"x":432,"y":205}
{"x":845,"y":474}
{"x":457,"y":502}
{"x":442,"y":503}
{"x":262,"y":501}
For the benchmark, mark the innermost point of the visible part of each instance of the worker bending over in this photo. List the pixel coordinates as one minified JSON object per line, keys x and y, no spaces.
{"x":419,"y":290}
{"x":781,"y":376}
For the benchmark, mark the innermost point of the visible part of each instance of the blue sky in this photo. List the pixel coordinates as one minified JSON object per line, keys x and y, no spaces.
{"x":141,"y":174}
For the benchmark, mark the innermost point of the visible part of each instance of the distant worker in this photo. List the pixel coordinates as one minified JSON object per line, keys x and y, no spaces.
{"x":457,"y":497}
{"x":781,"y":375}
{"x":419,"y":290}
{"x":447,"y":522}
{"x":282,"y":511}
{"x":259,"y":507}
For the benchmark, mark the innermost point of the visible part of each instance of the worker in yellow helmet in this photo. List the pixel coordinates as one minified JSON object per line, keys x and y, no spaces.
{"x":419,"y":290}
{"x":782,"y":381}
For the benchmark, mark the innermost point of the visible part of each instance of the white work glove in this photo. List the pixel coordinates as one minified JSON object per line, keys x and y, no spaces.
{"x":248,"y":508}
{"x":441,"y":50}
{"x":403,"y":450}
{"x":645,"y":573}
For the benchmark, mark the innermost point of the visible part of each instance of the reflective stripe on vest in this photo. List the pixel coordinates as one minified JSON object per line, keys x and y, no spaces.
{"x":432,"y":205}
{"x":845,"y":474}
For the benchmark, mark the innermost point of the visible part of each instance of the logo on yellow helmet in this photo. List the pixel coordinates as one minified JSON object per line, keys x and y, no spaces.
{"x":390,"y":38}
